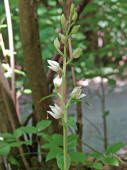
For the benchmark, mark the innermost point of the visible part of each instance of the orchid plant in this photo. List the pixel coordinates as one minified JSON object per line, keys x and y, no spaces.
{"x":56,"y":111}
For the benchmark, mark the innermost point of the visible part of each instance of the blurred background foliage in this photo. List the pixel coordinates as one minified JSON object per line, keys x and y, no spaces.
{"x":102,"y":36}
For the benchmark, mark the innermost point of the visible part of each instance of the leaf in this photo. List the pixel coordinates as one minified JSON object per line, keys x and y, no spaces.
{"x":110,"y":161}
{"x":27,"y":91}
{"x":96,"y":155}
{"x":97,"y":166}
{"x":111,"y":82}
{"x":27,"y":142}
{"x":72,"y":141}
{"x":47,"y":145}
{"x":20,"y":72}
{"x":60,"y":161}
{"x":29,"y":129}
{"x":6,"y":135}
{"x":106,"y":113}
{"x":13,"y":161}
{"x":77,"y":157}
{"x":4,"y":149}
{"x":57,"y":140}
{"x":45,"y":136}
{"x":70,"y":122}
{"x":112,"y":149}
{"x":75,"y":101}
{"x":16,"y":144}
{"x":43,"y":124}
{"x":53,"y":153}
{"x":18,"y":132}
{"x":46,"y":97}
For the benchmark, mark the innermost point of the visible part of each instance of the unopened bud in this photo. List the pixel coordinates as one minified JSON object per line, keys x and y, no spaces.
{"x":74,"y":17}
{"x":63,"y":38}
{"x":77,"y":53}
{"x":72,"y":9}
{"x":63,"y":20}
{"x":57,"y":43}
{"x":75,"y":29}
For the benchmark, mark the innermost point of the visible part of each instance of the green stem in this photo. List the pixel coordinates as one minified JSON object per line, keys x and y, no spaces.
{"x":64,"y":107}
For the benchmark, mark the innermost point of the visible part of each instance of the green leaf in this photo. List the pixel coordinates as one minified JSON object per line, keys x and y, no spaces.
{"x":27,"y":91}
{"x":45,"y":136}
{"x":57,"y":140}
{"x":97,"y":166}
{"x":53,"y":153}
{"x":6,"y":135}
{"x":27,"y":142}
{"x":77,"y":157}
{"x":43,"y":124}
{"x":20,"y":72}
{"x":111,"y":82}
{"x":106,"y":113}
{"x":110,"y":161}
{"x":18,"y":132}
{"x":4,"y":149}
{"x":46,"y":97}
{"x":75,"y":101}
{"x":60,"y":161}
{"x":70,"y":122}
{"x":96,"y":155}
{"x":112,"y":149}
{"x":72,"y":141}
{"x":29,"y":129}
{"x":47,"y":145}
{"x":16,"y":144}
{"x":13,"y":161}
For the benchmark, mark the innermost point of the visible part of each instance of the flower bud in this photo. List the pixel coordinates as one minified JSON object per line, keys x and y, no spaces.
{"x":74,"y":17}
{"x":77,"y":53}
{"x":76,"y":93}
{"x":57,"y":81}
{"x":53,"y":65}
{"x":57,"y":43}
{"x":55,"y":112}
{"x":63,"y":20}
{"x":72,"y":9}
{"x":63,"y":38}
{"x":75,"y":29}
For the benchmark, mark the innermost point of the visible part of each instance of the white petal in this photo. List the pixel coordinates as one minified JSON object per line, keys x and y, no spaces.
{"x":58,"y":109}
{"x":53,"y":63}
{"x":57,"y":81}
{"x":53,"y":115}
{"x":82,"y":95}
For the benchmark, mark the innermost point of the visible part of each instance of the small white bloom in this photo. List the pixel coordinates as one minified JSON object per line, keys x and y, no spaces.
{"x":1,"y":138}
{"x":55,"y":112}
{"x":76,"y":93}
{"x":53,"y":65}
{"x":57,"y":81}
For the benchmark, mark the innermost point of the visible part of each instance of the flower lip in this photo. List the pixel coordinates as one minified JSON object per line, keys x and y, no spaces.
{"x":53,"y":65}
{"x":55,"y":112}
{"x":57,"y":81}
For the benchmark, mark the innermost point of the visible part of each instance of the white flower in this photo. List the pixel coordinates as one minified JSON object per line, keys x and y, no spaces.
{"x":76,"y":93}
{"x":53,"y":65}
{"x":57,"y":81}
{"x":1,"y":138}
{"x":56,"y":111}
